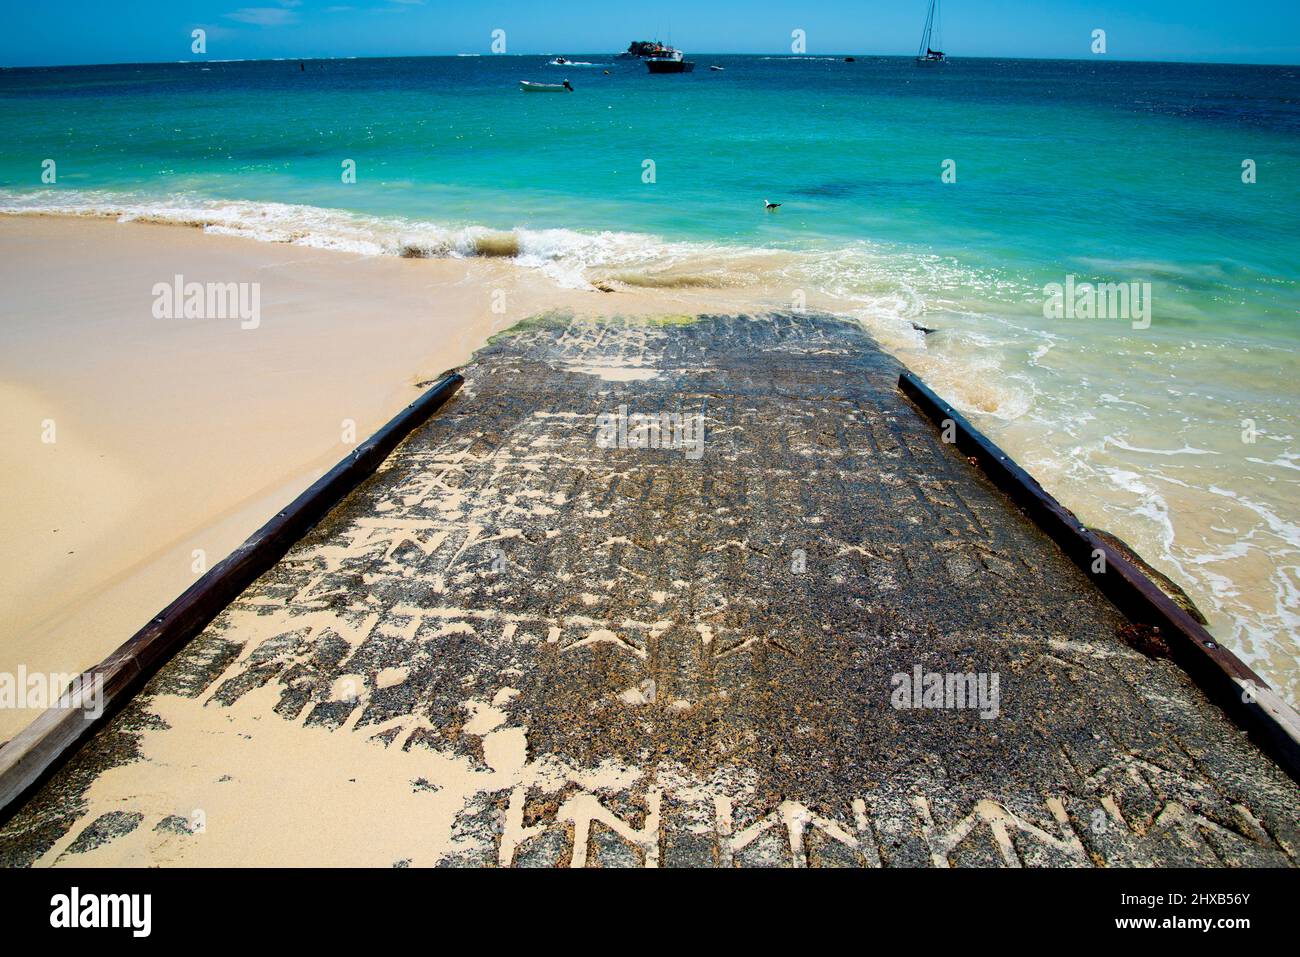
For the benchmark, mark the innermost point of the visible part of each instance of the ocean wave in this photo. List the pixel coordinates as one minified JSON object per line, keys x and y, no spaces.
{"x":1099,"y":419}
{"x":677,"y":280}
{"x":337,"y":229}
{"x":979,"y":361}
{"x":883,"y":289}
{"x":1185,"y":450}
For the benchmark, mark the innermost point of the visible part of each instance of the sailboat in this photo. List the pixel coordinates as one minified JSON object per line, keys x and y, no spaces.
{"x":927,"y":53}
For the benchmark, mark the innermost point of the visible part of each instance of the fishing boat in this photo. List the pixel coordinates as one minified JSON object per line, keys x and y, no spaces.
{"x":931,"y":38}
{"x":528,"y":86}
{"x":670,"y":61}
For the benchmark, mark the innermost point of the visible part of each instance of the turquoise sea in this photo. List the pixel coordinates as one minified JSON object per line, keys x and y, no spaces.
{"x":1180,"y":437}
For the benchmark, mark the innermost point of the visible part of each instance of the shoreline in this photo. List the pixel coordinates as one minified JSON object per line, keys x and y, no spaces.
{"x":323,"y":292}
{"x":210,"y":427}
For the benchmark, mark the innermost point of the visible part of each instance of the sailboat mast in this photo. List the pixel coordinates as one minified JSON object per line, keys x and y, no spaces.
{"x":929,"y":28}
{"x":927,"y":53}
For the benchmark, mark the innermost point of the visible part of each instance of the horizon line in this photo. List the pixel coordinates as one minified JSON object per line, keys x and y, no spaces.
{"x":776,"y":55}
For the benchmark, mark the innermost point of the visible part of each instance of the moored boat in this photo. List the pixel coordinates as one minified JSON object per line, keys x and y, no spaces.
{"x":527,"y":86}
{"x":672,"y":61}
{"x":927,"y":53}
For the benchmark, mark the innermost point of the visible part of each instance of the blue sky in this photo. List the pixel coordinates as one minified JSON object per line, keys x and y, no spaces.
{"x":123,"y":31}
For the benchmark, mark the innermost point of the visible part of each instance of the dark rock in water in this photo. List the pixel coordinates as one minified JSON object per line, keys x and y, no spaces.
{"x":1167,"y":584}
{"x":850,"y":59}
{"x":838,"y":189}
{"x":920,"y":328}
{"x":646,"y":48}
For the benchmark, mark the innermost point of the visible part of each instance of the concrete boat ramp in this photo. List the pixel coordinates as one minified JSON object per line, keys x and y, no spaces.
{"x":819,"y":638}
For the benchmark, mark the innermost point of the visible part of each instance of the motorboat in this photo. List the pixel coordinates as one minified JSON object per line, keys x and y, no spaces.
{"x":529,"y":86}
{"x":670,"y":61}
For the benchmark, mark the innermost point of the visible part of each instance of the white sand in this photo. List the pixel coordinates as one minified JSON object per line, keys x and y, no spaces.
{"x":177,"y":435}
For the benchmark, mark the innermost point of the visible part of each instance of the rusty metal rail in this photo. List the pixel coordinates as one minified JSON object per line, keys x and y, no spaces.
{"x":39,"y":749}
{"x":1224,"y":677}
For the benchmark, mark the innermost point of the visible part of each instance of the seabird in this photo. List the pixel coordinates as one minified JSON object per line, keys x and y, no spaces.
{"x":770,"y":205}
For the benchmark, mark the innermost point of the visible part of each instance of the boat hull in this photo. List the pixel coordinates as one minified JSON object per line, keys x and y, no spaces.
{"x":528,"y":87}
{"x":669,"y":66}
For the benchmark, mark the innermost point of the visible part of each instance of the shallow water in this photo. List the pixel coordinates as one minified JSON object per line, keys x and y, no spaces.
{"x":1179,"y":436}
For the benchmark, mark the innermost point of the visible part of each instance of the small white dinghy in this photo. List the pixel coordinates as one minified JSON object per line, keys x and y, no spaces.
{"x":530,"y":87}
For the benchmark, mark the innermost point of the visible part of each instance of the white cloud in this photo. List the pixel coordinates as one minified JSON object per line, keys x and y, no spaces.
{"x":264,"y":16}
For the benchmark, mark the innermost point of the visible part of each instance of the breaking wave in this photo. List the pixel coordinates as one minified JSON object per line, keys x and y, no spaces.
{"x":1122,"y":452}
{"x":882,"y":288}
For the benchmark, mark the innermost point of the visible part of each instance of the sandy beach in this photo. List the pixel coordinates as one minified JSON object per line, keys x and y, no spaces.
{"x":520,"y":646}
{"x":174,"y":439}
{"x":863,"y":439}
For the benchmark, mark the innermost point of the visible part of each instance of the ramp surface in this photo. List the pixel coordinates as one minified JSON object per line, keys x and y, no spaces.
{"x":515,"y":646}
